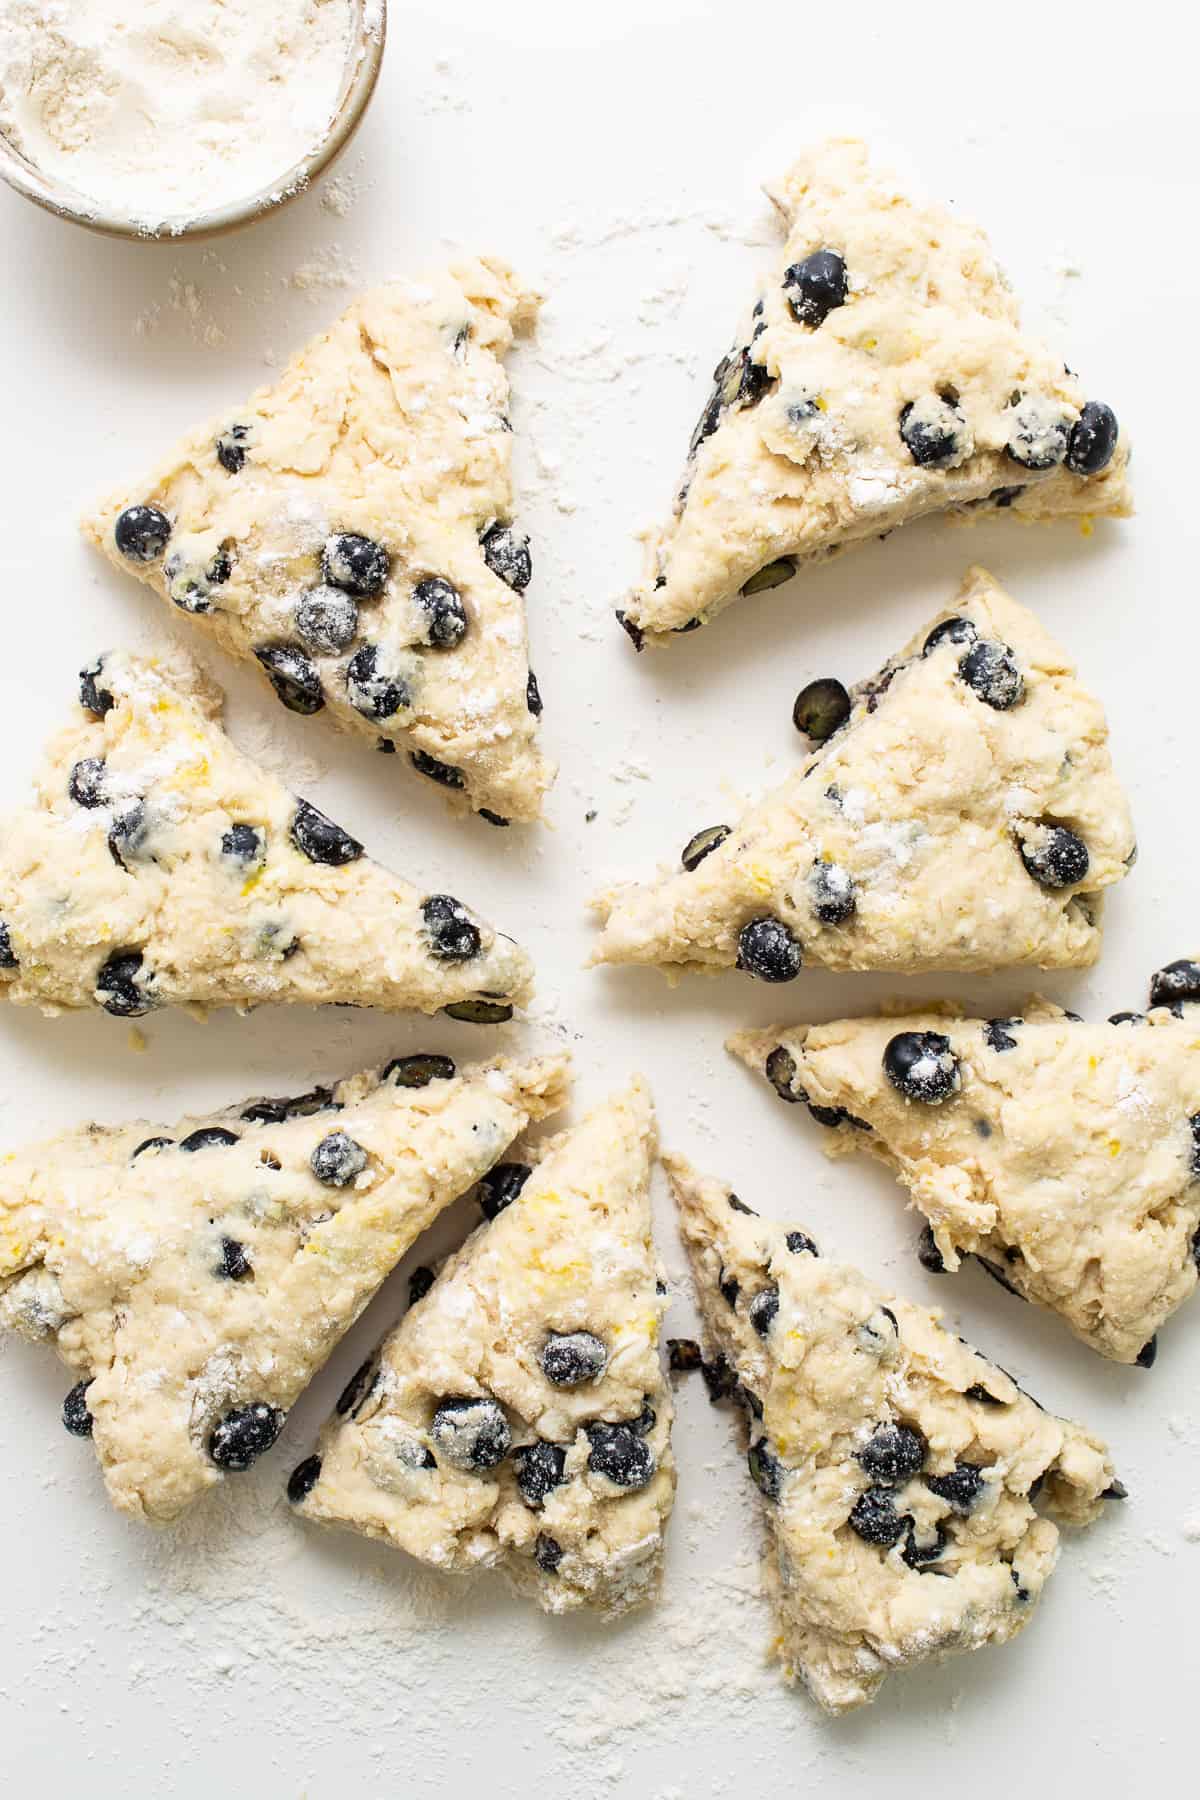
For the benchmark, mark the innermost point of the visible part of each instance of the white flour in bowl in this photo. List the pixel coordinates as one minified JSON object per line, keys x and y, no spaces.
{"x":160,"y":109}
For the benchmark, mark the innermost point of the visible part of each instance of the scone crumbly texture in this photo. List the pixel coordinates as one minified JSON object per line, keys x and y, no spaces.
{"x":160,"y":866}
{"x":350,"y":531}
{"x":964,"y":816}
{"x":1062,"y":1154}
{"x":899,"y":1467}
{"x":518,"y":1417}
{"x":196,"y":1275}
{"x":881,"y":375}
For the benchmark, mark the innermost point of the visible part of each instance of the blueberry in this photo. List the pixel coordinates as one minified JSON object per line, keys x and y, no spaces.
{"x":1176,"y":982}
{"x":961,"y":1487}
{"x":86,"y":782}
{"x":441,"y":772}
{"x":780,"y":1070}
{"x":683,"y":1355}
{"x":730,"y":1287}
{"x":893,"y":1454}
{"x":419,"y":1284}
{"x":539,"y":1470}
{"x":763,"y":1309}
{"x":501,"y":1186}
{"x":141,"y":533}
{"x":934,"y":431}
{"x":151,"y":1143}
{"x":293,"y":677}
{"x":928,"y":1254}
{"x":955,"y":630}
{"x":303,"y":1479}
{"x":355,"y":564}
{"x":337,"y":1159}
{"x":231,"y":448}
{"x":298,"y":1106}
{"x":419,"y":1071}
{"x":242,"y":1435}
{"x":719,"y":1378}
{"x":800,"y":1244}
{"x":127,"y":834}
{"x":472,"y":1434}
{"x":1093,"y":439}
{"x":234,"y":1265}
{"x":740,"y":381}
{"x":320,"y":839}
{"x":771,"y":575}
{"x":922,"y":1066}
{"x":633,"y":632}
{"x":766,"y":1470}
{"x":371,"y":690}
{"x":452,"y":936}
{"x":990,"y":670}
{"x":832,"y":893}
{"x":616,"y":1451}
{"x":875,"y":1518}
{"x":479,"y":1012}
{"x":245,"y":845}
{"x":92,"y":697}
{"x":356,"y":1389}
{"x":533,"y":696}
{"x":1147,"y":1354}
{"x":119,"y":989}
{"x":916,"y":1554}
{"x":506,"y":554}
{"x":1194,"y":1125}
{"x":769,"y":950}
{"x":190,"y":583}
{"x":997,"y":1274}
{"x":208,"y":1137}
{"x":326,"y":619}
{"x":706,"y":424}
{"x":821,"y":708}
{"x":441,"y":601}
{"x":75,"y":1414}
{"x":547,"y":1553}
{"x":1127,"y":1018}
{"x":1055,"y":856}
{"x":570,"y":1358}
{"x":815,"y":287}
{"x":702,"y":845}
{"x":997,"y":1034}
{"x":979,"y":1393}
{"x":1038,"y":432}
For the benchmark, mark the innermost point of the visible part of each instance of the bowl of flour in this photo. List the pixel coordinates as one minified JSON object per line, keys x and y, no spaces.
{"x":179,"y":118}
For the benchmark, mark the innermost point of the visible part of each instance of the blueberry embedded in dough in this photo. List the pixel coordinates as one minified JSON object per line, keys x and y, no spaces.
{"x":93,"y":696}
{"x":191,"y":579}
{"x":243,"y":1435}
{"x":769,"y":950}
{"x":208,"y":1137}
{"x":501,"y":1186}
{"x":1054,"y":855}
{"x":571,"y":1358}
{"x":356,"y":564}
{"x":820,"y":709}
{"x":452,"y":934}
{"x":338,"y":1160}
{"x":441,"y":604}
{"x":86,"y":782}
{"x":123,"y":988}
{"x":141,"y":533}
{"x":935,"y":431}
{"x":1038,"y":431}
{"x":443,"y":773}
{"x":293,"y":675}
{"x":990,"y":670}
{"x":320,"y":840}
{"x":507,"y":554}
{"x":418,"y":1071}
{"x":832,"y":893}
{"x":375,"y":685}
{"x":232,"y":447}
{"x":816,"y":287}
{"x":471,"y":1433}
{"x":75,"y":1415}
{"x":703,"y":844}
{"x":1093,"y":439}
{"x":326,"y":620}
{"x":244,"y":846}
{"x":922,"y":1066}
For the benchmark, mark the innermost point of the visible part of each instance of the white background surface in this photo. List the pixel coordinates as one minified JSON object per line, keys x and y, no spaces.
{"x":615,"y":154}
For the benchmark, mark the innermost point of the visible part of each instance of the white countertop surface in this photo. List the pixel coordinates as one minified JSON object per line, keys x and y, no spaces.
{"x":615,"y":154}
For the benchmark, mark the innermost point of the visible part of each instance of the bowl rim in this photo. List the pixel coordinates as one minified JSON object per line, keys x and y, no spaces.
{"x":50,"y":194}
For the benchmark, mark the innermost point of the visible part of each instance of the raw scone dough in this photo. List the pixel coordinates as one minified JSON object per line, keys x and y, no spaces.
{"x":349,"y":531}
{"x":517,"y":1417}
{"x":197,"y":1275}
{"x":162,"y":867}
{"x":898,"y":1466}
{"x":1063,"y":1155}
{"x":909,"y":325}
{"x":910,"y":839}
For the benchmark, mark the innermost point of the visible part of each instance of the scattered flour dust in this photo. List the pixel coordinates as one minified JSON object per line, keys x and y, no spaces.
{"x":162,"y":109}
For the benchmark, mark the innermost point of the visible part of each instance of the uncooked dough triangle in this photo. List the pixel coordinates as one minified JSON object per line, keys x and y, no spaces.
{"x":162,"y":867}
{"x":349,"y":531}
{"x":881,"y":375}
{"x":196,"y":1275}
{"x":1065,"y":1156}
{"x":518,"y":1416}
{"x":898,"y":1467}
{"x":964,"y":816}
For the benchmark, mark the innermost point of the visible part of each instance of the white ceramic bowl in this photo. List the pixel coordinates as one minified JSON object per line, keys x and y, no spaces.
{"x":362,"y":72}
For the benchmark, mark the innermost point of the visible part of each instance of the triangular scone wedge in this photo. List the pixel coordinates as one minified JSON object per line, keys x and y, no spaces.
{"x":197,"y":1275}
{"x":965,"y":815}
{"x":898,"y":1467}
{"x":162,"y":867}
{"x":881,"y":375}
{"x":517,"y":1417}
{"x":349,"y":530}
{"x":1063,"y":1155}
